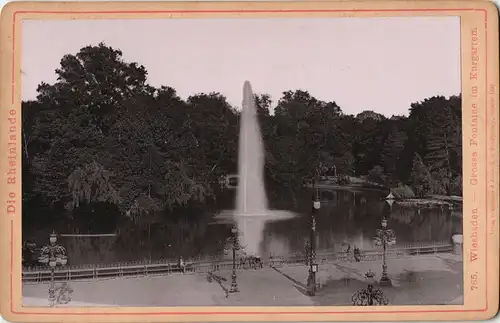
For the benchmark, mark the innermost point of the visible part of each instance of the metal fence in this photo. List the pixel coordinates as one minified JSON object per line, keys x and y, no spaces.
{"x":393,"y":253}
{"x":136,"y":269}
{"x":153,"y":268}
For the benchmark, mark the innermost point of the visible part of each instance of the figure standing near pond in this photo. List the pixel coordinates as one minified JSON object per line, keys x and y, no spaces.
{"x":357,"y":254}
{"x":182,"y":265}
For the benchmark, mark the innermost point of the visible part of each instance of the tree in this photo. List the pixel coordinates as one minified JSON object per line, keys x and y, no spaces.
{"x":263,"y":104}
{"x":360,"y":117}
{"x":306,"y":134}
{"x":91,"y":183}
{"x":344,"y":164}
{"x":100,"y":139}
{"x":368,"y":139}
{"x":457,"y":186}
{"x":294,"y":104}
{"x":75,"y":114}
{"x":214,"y":125}
{"x":435,"y":133}
{"x":101,"y":114}
{"x":391,"y":152}
{"x":420,"y":177}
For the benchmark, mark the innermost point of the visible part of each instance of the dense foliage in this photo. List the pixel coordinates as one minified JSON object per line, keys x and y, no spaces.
{"x":101,"y":137}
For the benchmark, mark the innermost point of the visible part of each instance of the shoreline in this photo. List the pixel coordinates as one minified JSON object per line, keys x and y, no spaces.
{"x":359,"y":187}
{"x":348,"y":187}
{"x":430,"y":201}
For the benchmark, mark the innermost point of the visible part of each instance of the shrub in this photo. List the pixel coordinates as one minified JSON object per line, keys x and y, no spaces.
{"x":456,"y":186}
{"x":376,"y":174}
{"x":344,"y":180}
{"x":403,"y":192}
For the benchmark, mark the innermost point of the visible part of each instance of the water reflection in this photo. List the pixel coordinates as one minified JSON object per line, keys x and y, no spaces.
{"x":353,"y":217}
{"x":343,"y":218}
{"x":251,"y":227}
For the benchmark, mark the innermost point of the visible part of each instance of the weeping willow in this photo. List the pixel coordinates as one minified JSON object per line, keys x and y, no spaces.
{"x":91,"y":184}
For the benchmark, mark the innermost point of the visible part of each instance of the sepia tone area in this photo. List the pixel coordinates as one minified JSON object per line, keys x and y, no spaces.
{"x":150,"y":199}
{"x":139,"y":193}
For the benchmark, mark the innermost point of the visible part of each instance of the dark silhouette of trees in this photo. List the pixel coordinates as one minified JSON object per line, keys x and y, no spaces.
{"x":100,"y":135}
{"x":420,"y":177}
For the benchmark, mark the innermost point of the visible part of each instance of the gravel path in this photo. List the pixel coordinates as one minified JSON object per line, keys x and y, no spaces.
{"x":423,"y":280}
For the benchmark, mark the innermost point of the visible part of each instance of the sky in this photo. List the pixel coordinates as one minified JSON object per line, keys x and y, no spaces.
{"x":380,"y":64}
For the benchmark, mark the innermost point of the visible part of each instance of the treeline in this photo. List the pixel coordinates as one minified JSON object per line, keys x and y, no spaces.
{"x":101,"y":135}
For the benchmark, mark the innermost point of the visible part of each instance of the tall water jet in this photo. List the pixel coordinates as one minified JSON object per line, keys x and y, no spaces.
{"x":251,"y":201}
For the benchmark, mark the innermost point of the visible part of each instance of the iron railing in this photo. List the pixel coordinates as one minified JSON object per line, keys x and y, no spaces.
{"x":165,"y":267}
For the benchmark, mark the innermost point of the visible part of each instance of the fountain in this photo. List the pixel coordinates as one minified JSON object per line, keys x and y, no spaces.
{"x":251,"y":196}
{"x":251,"y":200}
{"x":252,"y":210}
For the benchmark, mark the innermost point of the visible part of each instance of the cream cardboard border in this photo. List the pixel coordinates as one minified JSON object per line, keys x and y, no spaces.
{"x":479,"y":43}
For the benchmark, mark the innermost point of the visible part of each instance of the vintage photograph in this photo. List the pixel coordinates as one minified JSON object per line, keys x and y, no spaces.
{"x":242,"y":162}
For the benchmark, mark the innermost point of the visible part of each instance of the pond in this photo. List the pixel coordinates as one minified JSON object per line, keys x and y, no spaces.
{"x":350,"y":216}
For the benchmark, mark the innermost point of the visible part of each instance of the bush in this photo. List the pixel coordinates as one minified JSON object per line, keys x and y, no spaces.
{"x":403,"y":192}
{"x":456,"y":186}
{"x":376,"y":174}
{"x":344,"y":180}
{"x":441,"y":182}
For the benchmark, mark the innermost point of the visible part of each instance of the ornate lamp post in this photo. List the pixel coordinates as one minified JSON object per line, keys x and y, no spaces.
{"x":369,"y":296}
{"x":53,"y":255}
{"x":235,"y":245}
{"x":313,"y":267}
{"x":384,"y":237}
